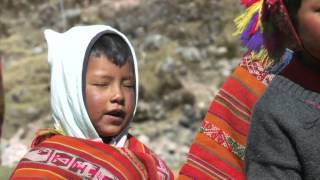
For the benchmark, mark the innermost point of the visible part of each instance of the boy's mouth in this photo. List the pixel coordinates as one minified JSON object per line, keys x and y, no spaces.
{"x":116,"y":114}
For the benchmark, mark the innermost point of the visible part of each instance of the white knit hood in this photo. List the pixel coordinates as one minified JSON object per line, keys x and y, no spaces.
{"x":66,"y":54}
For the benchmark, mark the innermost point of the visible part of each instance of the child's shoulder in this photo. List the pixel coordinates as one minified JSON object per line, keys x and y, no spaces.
{"x":43,"y":135}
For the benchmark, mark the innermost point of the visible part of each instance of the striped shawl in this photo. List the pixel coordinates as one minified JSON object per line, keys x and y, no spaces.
{"x":218,"y":149}
{"x":65,"y":157}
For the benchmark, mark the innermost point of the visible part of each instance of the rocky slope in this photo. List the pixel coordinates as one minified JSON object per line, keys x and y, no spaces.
{"x":185,"y":50}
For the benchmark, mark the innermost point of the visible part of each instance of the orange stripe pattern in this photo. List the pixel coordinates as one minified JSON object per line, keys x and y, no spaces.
{"x":63,"y":157}
{"x":219,"y":148}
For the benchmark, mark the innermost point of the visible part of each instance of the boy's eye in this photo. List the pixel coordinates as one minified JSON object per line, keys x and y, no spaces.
{"x":101,"y":84}
{"x":129,"y":84}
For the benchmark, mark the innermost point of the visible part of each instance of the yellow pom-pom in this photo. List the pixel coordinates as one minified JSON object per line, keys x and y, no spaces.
{"x":244,"y":19}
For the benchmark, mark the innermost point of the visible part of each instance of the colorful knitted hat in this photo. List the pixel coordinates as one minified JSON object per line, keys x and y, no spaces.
{"x":266,"y":29}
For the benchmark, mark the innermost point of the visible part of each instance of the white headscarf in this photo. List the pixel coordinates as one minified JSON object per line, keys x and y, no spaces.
{"x":66,"y":55}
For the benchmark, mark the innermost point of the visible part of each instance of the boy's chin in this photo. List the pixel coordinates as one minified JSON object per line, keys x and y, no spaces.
{"x":107,"y":140}
{"x":110,"y":133}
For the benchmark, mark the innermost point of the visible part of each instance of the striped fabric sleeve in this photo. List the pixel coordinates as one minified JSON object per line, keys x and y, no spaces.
{"x":218,"y":149}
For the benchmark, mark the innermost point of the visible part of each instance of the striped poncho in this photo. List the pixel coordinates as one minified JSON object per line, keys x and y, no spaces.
{"x":64,"y":157}
{"x":218,"y":149}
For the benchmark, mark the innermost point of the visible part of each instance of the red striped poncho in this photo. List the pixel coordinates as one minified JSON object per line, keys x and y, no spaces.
{"x":65,"y":157}
{"x":218,"y":149}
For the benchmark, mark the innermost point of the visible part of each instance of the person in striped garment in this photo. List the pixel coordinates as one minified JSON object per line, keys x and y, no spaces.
{"x":283,"y":141}
{"x":218,"y":150}
{"x":94,"y":93}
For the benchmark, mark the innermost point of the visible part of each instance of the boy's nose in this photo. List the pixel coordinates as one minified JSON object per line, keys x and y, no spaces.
{"x":117,"y":96}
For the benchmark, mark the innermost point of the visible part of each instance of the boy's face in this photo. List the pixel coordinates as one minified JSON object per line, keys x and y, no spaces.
{"x":309,"y":26}
{"x":110,"y":95}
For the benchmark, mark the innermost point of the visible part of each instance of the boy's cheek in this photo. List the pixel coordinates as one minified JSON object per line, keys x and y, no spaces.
{"x":94,"y":93}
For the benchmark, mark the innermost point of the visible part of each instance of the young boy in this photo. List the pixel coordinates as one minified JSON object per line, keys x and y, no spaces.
{"x":284,"y":135}
{"x":94,"y":93}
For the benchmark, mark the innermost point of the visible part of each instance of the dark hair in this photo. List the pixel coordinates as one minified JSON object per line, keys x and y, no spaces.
{"x":113,"y":47}
{"x":293,"y":7}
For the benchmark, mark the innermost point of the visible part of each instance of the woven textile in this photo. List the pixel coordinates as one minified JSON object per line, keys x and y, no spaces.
{"x":64,"y":157}
{"x":218,"y":149}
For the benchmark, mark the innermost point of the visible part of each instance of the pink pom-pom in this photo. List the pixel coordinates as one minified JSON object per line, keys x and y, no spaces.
{"x":248,"y":3}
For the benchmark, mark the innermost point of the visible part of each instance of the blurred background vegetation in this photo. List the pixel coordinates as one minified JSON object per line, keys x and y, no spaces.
{"x":185,"y":50}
